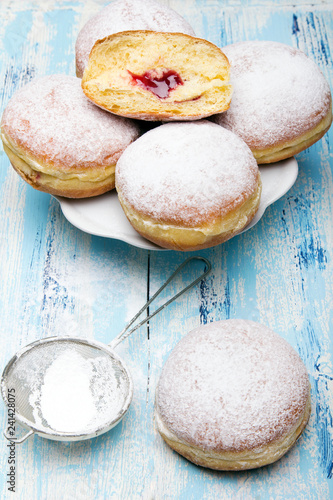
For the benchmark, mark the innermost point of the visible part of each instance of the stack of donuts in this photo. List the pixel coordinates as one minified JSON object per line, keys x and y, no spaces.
{"x":178,"y":127}
{"x":186,"y":185}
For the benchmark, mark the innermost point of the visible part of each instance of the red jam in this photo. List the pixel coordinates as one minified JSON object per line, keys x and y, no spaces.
{"x":158,"y":85}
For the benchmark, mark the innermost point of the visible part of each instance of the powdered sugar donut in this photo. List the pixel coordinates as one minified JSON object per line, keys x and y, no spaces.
{"x":188,"y":185}
{"x":61,"y":143}
{"x":281,"y":102}
{"x":125,"y":15}
{"x":233,"y":395}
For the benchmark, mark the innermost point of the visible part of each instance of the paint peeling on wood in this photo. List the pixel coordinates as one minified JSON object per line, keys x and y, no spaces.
{"x":55,"y":279}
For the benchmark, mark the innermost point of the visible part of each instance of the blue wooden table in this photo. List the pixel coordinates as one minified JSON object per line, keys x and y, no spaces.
{"x":58,"y":280}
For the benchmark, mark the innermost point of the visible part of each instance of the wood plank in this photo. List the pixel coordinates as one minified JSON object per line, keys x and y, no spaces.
{"x":56,"y":279}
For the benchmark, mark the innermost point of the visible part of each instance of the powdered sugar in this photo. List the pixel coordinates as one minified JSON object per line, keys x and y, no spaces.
{"x":74,"y":393}
{"x":124,"y":15}
{"x":66,"y":401}
{"x":186,"y":172}
{"x":52,"y":120}
{"x":279,"y":93}
{"x":232,"y":385}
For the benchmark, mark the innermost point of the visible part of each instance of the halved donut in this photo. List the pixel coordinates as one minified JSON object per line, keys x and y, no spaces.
{"x":158,"y":76}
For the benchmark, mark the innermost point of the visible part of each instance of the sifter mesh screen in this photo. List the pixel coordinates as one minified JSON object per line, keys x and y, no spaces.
{"x":68,"y":387}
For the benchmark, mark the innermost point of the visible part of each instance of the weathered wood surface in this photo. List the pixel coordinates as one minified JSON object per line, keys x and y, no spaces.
{"x":56,"y":279}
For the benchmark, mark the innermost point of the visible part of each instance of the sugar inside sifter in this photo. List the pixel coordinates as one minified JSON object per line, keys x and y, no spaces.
{"x":71,"y":389}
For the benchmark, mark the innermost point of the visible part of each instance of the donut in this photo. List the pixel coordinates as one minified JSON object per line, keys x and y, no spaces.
{"x":281,"y":103}
{"x":190,"y":185}
{"x":233,"y":395}
{"x":61,"y":143}
{"x":150,"y":75}
{"x":126,"y":15}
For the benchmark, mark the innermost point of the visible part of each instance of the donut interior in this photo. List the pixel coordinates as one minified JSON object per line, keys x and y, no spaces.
{"x":152,"y":76}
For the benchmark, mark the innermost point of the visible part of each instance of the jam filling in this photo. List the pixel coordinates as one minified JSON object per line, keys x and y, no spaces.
{"x":160,"y":85}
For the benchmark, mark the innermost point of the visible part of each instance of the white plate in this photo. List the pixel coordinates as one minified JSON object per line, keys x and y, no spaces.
{"x":103,"y":215}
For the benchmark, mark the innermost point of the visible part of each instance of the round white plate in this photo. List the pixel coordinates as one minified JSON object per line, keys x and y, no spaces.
{"x":103,"y":215}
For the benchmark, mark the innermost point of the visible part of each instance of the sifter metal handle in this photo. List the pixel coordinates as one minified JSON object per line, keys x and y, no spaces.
{"x":18,"y":440}
{"x":125,"y":333}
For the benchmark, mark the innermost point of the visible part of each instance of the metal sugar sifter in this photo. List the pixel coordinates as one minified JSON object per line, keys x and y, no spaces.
{"x":71,"y":389}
